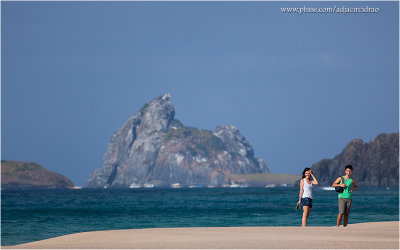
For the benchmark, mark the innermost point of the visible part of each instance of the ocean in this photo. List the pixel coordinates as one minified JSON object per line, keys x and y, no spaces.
{"x":33,"y":215}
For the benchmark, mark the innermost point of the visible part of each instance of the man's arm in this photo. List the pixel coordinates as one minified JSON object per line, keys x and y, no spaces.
{"x":355,"y":187}
{"x":336,"y":183}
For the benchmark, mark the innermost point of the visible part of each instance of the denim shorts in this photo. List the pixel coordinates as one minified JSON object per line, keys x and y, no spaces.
{"x":306,"y":202}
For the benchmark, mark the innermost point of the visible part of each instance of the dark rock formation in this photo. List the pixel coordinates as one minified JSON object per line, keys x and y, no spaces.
{"x":153,"y":148}
{"x":375,"y":164}
{"x":29,"y":175}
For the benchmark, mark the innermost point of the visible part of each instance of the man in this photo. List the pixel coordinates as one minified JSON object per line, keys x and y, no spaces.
{"x":345,"y":196}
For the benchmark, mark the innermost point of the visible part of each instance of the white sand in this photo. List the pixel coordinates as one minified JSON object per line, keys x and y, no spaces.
{"x":374,"y":235}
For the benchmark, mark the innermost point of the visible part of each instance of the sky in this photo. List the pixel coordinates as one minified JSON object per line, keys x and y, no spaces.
{"x":299,"y":87}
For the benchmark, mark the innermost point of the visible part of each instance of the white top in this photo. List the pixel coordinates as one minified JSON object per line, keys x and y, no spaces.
{"x":307,"y":190}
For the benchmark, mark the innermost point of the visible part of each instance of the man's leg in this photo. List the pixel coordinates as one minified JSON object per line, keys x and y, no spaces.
{"x":347,"y":212}
{"x":341,"y":211}
{"x":339,"y":219}
{"x":345,"y":220}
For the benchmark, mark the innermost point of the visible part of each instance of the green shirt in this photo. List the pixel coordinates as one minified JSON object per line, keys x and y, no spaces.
{"x":346,"y":193}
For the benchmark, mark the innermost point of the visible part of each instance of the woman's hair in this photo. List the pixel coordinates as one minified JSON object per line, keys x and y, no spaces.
{"x":304,"y":173}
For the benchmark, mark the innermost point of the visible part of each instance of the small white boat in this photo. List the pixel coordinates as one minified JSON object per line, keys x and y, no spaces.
{"x":149,"y":185}
{"x":270,"y":186}
{"x":176,"y":185}
{"x":234,"y":185}
{"x":134,"y":185}
{"x":328,"y":188}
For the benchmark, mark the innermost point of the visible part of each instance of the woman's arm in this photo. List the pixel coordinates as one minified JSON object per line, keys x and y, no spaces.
{"x":314,"y":181}
{"x":301,"y":190}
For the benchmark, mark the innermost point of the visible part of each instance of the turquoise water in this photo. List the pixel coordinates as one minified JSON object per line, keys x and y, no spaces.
{"x":35,"y":215}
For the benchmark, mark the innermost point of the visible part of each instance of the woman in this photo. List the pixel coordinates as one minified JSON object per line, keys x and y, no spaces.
{"x":305,"y":195}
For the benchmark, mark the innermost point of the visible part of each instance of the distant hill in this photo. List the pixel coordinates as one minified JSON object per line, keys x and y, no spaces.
{"x":375,"y":163}
{"x":28,"y":175}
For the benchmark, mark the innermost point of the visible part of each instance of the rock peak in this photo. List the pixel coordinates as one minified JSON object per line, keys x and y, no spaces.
{"x":157,"y":115}
{"x":166,"y":96}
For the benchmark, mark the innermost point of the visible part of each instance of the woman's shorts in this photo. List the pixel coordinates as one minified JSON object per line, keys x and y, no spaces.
{"x":306,"y":202}
{"x":344,"y":205}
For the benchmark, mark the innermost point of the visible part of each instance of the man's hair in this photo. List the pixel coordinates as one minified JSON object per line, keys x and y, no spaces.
{"x":348,"y":166}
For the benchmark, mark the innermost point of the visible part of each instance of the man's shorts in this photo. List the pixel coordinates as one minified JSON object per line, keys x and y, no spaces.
{"x":306,"y":202}
{"x":344,"y":205}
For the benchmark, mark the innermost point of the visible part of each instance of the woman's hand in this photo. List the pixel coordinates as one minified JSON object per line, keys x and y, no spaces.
{"x":314,"y":181}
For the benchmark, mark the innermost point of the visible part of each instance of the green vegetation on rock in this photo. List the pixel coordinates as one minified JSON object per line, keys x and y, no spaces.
{"x":176,"y":123}
{"x":203,"y":140}
{"x":15,"y":174}
{"x":20,"y":167}
{"x":180,"y":133}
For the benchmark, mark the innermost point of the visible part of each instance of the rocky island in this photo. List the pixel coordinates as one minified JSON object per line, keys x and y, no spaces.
{"x":375,"y":163}
{"x":154,"y":149}
{"x":30,"y":175}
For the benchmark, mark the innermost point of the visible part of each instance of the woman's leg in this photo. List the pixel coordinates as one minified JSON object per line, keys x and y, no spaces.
{"x":306,"y":213}
{"x":309,"y":211}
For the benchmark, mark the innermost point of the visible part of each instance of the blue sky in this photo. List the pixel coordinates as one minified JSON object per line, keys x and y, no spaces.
{"x":298,"y":87}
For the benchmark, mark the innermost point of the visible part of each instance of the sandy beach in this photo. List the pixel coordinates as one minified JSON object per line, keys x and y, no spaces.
{"x":374,"y":235}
